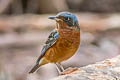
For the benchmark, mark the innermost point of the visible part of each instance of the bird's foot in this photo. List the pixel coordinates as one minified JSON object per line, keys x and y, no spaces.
{"x":69,"y":70}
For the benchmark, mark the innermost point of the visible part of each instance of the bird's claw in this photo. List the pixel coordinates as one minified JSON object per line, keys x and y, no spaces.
{"x":69,"y":70}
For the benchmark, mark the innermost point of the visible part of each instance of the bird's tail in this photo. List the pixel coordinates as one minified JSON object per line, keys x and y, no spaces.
{"x":42,"y":62}
{"x":34,"y":68}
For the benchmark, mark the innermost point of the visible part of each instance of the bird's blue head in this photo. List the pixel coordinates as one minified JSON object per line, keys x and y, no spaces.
{"x":69,"y":18}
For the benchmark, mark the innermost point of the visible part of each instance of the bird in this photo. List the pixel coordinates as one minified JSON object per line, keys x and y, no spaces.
{"x":62,"y":42}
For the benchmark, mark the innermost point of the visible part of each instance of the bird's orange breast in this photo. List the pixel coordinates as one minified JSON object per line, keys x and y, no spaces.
{"x":65,"y":46}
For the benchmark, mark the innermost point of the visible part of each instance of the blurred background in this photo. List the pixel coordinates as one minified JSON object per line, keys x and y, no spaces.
{"x":24,"y":27}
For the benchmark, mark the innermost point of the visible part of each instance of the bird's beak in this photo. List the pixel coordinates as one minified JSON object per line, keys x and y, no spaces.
{"x":52,"y":17}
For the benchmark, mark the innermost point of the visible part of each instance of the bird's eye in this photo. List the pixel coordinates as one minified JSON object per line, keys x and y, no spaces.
{"x":67,"y":18}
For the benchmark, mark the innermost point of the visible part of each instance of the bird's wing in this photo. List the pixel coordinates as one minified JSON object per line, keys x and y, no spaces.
{"x":50,"y":42}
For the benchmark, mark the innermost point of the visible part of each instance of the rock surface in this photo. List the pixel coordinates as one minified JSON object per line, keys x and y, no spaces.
{"x":106,"y":70}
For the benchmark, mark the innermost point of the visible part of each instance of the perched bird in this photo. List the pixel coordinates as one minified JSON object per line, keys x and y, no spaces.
{"x":62,"y":43}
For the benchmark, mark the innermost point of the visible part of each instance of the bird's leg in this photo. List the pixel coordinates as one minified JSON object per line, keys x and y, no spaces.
{"x":59,"y":69}
{"x":62,"y":71}
{"x":62,"y":68}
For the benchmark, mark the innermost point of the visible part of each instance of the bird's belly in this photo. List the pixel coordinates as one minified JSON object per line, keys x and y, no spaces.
{"x":62,"y":50}
{"x":65,"y":54}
